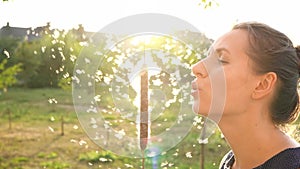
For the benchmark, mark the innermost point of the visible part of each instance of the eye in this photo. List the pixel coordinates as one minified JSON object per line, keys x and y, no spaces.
{"x":222,"y":60}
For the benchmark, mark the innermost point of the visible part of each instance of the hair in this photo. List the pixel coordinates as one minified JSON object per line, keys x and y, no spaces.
{"x":272,"y":51}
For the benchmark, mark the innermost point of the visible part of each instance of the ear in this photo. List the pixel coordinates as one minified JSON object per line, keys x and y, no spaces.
{"x":265,"y":86}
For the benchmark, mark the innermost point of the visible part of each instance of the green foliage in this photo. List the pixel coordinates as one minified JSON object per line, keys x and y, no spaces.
{"x":55,"y":165}
{"x":296,"y":131}
{"x":24,"y":54}
{"x":8,"y":74}
{"x":28,"y":105}
{"x":47,"y":59}
{"x":19,"y":159}
{"x":8,"y":44}
{"x":97,"y":157}
{"x":41,"y":155}
{"x":17,"y":162}
{"x":208,"y":3}
{"x":65,"y":83}
{"x":52,"y":155}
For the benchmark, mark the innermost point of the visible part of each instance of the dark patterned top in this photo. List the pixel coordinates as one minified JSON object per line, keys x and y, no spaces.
{"x":287,"y":159}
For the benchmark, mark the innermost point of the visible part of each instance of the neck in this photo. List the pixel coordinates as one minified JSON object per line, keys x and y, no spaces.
{"x":248,"y":134}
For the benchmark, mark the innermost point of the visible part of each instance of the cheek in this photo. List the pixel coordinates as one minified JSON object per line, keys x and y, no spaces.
{"x":238,"y":93}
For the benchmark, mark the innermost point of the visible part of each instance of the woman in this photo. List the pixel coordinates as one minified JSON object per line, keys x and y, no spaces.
{"x":261,"y":68}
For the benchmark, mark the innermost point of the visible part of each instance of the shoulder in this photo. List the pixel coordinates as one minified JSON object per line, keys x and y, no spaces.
{"x":286,"y":159}
{"x":227,"y":160}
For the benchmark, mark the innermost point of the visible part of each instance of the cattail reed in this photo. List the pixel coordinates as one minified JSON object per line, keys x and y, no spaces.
{"x":144,"y":109}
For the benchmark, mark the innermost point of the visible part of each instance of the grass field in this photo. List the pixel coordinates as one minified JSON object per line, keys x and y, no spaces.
{"x":32,"y":138}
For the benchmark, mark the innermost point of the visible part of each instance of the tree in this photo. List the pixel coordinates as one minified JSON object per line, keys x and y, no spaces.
{"x":9,"y":68}
{"x":48,"y":60}
{"x":8,"y":74}
{"x":73,"y":44}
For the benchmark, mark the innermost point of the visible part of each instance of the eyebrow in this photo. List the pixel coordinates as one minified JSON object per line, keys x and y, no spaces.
{"x":222,"y":49}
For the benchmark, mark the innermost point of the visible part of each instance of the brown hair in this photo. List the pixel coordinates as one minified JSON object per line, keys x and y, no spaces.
{"x":273,"y":51}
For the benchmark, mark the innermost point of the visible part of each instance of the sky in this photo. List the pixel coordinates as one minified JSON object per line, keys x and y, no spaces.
{"x":96,"y":14}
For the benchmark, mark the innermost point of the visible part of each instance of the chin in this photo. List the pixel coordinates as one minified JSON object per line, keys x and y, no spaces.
{"x":195,"y":108}
{"x":198,"y":110}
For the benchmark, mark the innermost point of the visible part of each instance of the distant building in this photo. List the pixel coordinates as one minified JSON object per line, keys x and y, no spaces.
{"x":30,"y":34}
{"x":23,"y":33}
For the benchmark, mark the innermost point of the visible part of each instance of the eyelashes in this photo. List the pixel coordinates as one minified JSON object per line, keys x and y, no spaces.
{"x":222,"y":61}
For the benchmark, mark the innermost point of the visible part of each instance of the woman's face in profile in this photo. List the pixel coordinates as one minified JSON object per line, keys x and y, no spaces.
{"x":229,"y":51}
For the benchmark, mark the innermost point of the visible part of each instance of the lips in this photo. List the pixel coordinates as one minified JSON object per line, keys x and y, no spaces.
{"x":195,"y":89}
{"x":195,"y":93}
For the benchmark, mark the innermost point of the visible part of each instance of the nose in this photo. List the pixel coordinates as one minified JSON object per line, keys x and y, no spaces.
{"x":199,"y":70}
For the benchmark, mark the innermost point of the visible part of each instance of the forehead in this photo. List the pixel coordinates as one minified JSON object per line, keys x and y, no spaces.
{"x":235,"y":41}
